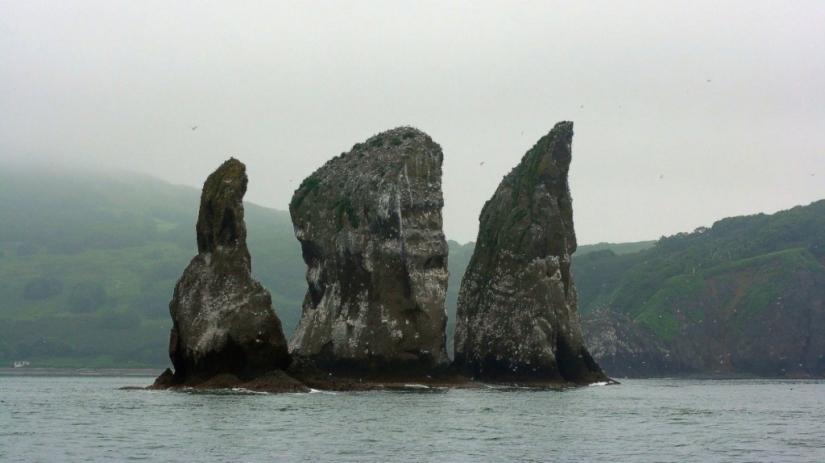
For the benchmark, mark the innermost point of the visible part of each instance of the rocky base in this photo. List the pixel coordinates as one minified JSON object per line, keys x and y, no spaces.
{"x":275,"y":381}
{"x":303,"y":376}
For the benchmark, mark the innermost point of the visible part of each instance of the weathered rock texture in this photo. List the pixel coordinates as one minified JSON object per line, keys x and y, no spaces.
{"x":517,"y":317}
{"x":370,"y":227}
{"x":626,"y":349}
{"x":223,"y":321}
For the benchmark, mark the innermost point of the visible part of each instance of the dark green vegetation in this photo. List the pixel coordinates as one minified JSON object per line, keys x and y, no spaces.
{"x":759,"y":253}
{"x":88,"y":262}
{"x":745,"y":296}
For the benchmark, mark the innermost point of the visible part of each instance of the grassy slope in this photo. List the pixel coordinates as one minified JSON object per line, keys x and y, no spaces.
{"x":129,"y":235}
{"x":758,"y":255}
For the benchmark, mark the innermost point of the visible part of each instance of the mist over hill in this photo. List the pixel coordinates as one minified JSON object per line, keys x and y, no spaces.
{"x":88,"y":261}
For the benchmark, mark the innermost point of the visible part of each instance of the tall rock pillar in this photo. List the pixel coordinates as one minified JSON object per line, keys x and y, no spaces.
{"x":517,"y":317}
{"x":223,"y":321}
{"x":370,"y":227}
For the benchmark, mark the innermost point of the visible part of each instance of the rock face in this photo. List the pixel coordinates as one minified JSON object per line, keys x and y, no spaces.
{"x":517,"y":317}
{"x":744,"y":297}
{"x":223,"y":321}
{"x":718,"y":334}
{"x":370,"y":227}
{"x":626,"y":349}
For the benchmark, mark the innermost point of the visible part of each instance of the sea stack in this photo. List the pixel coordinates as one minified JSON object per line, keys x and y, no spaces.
{"x":369,"y":222}
{"x":517,"y":318}
{"x":223,"y":321}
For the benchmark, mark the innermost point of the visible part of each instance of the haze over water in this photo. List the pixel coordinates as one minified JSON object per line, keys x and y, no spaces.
{"x":88,"y":418}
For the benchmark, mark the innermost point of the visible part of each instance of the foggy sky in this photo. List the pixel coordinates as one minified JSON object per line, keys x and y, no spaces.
{"x":685,"y":112}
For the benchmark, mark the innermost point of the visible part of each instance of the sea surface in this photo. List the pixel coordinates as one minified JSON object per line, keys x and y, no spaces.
{"x":59,"y":418}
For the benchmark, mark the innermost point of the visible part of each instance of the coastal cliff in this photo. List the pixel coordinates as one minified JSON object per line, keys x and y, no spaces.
{"x":744,"y":297}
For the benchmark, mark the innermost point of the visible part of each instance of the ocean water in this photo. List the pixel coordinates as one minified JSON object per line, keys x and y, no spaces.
{"x":90,"y":419}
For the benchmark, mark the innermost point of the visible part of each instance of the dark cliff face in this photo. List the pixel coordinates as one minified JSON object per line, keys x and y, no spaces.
{"x":223,"y":320}
{"x":718,"y":330}
{"x":370,"y":227}
{"x":745,"y":296}
{"x":517,"y":317}
{"x":626,"y":349}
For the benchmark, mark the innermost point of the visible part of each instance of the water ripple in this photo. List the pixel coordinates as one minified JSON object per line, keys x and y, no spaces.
{"x":88,"y":418}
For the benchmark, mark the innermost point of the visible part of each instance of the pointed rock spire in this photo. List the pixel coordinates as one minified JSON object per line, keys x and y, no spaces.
{"x":517,"y":317}
{"x":223,"y":321}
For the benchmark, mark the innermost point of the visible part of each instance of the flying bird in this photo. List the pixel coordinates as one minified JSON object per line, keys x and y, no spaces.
{"x":708,"y":80}
{"x":661,"y":176}
{"x":482,"y":163}
{"x":195,"y":127}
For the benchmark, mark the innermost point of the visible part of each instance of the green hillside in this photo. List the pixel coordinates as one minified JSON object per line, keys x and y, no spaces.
{"x":88,"y":262}
{"x":786,"y":241}
{"x":616,"y":248}
{"x":746,"y":295}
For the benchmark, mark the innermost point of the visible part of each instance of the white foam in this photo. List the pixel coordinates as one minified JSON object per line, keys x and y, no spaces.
{"x":247,"y":391}
{"x":318,"y":391}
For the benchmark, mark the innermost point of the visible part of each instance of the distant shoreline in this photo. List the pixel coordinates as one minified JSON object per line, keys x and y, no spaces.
{"x":28,"y":371}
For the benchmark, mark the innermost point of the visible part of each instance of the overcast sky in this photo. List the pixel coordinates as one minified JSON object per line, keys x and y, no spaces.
{"x":685,"y":112}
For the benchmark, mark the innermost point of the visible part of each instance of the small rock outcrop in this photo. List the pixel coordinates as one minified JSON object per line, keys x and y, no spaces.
{"x":517,"y":317}
{"x":223,"y":321}
{"x":370,"y":227}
